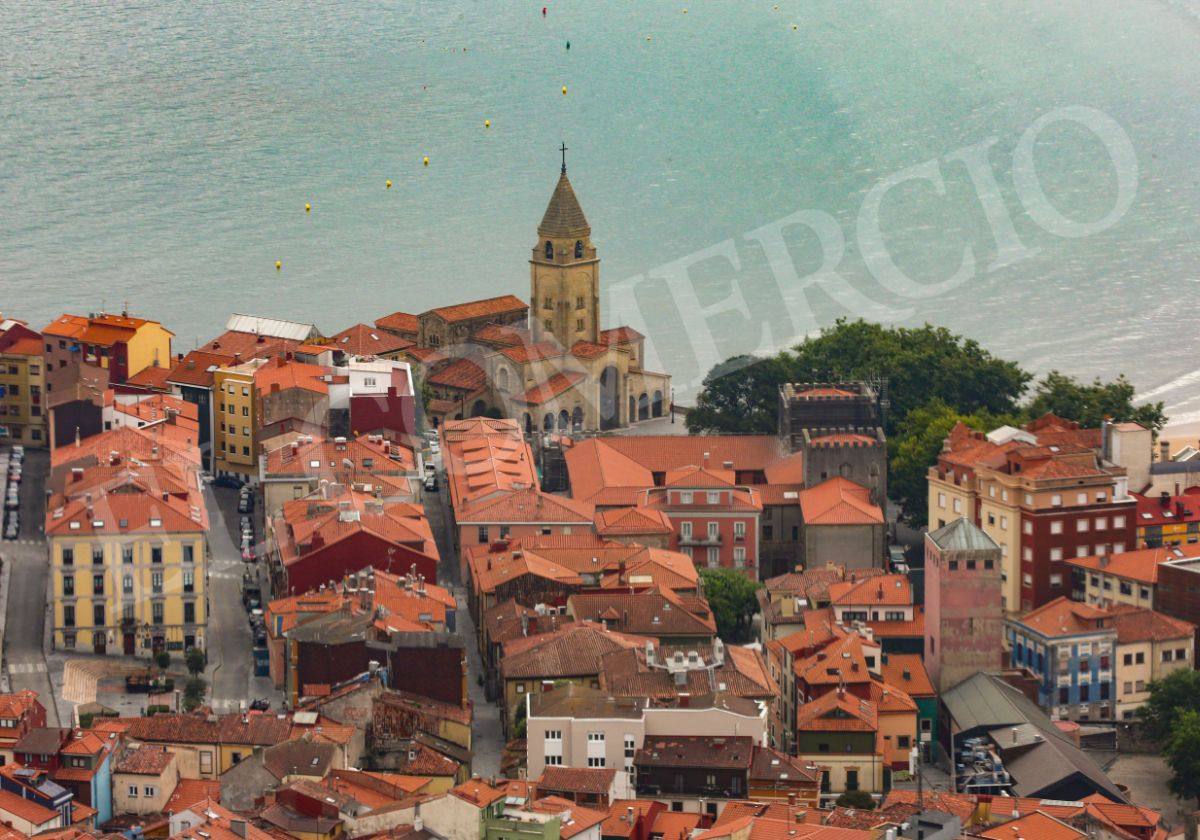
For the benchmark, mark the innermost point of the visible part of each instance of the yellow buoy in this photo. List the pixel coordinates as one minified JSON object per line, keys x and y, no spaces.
{"x":387,"y":185}
{"x":278,"y":265}
{"x":775,"y":8}
{"x":564,"y":90}
{"x":685,"y":11}
{"x":307,"y":208}
{"x":425,"y":160}
{"x":487,"y":123}
{"x":794,"y":27}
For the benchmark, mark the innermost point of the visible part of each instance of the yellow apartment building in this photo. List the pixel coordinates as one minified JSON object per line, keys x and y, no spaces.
{"x":127,"y":552}
{"x":234,"y":420}
{"x":22,"y":385}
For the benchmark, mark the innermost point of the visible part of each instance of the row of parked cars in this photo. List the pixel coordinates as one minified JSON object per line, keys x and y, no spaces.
{"x":11,"y":463}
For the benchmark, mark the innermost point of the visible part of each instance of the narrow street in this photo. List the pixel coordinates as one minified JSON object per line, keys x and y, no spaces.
{"x":27,"y":615}
{"x":230,"y":671}
{"x":487,"y":737}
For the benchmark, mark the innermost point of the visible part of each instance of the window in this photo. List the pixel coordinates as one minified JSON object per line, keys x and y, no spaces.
{"x":1140,"y":659}
{"x":1056,"y":526}
{"x":578,"y":249}
{"x":739,"y":530}
{"x":903,"y":742}
{"x":68,"y":556}
{"x":685,"y":530}
{"x":149,"y":791}
{"x":127,"y":584}
{"x":578,"y":325}
{"x":1056,"y":580}
{"x":156,"y":611}
{"x":1056,"y":500}
{"x":1127,"y":660}
{"x":553,"y":734}
{"x":189,"y":581}
{"x":98,"y":555}
{"x":713,"y":530}
{"x":520,"y":688}
{"x":483,"y":533}
{"x":957,"y":505}
{"x":768,"y":532}
{"x":1118,"y":521}
{"x":739,"y":556}
{"x":1081,"y":525}
{"x":579,"y":304}
{"x":685,"y":497}
{"x":942,"y":500}
{"x":596,"y":736}
{"x":68,"y":616}
{"x":549,"y":324}
{"x":1101,"y":523}
{"x":97,"y":584}
{"x":189,"y":612}
{"x":1166,"y":655}
{"x":554,"y":760}
{"x":714,"y":497}
{"x":595,"y":761}
{"x":630,"y":747}
{"x":549,"y":250}
{"x":156,"y":551}
{"x":98,"y":615}
{"x":133,"y":791}
{"x":714,"y":557}
{"x":1056,"y":554}
{"x":127,"y":554}
{"x":1003,"y":523}
{"x":851,"y":780}
{"x":68,"y":585}
{"x":189,"y":554}
{"x":156,"y":582}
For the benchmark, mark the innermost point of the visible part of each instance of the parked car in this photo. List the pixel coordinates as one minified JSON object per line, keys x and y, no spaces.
{"x":12,"y":530}
{"x":260,"y":705}
{"x":431,"y":483}
{"x":245,"y":523}
{"x":227,"y":481}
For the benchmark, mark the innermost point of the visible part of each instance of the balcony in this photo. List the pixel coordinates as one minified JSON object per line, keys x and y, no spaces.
{"x":699,"y":539}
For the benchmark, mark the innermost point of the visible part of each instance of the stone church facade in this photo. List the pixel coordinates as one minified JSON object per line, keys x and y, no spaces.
{"x":555,"y":369}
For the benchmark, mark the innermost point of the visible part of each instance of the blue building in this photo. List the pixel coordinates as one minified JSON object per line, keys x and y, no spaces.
{"x":1071,"y":647}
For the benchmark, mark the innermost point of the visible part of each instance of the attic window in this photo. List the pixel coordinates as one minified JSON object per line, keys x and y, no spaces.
{"x":155,"y":523}
{"x":314,"y":463}
{"x":74,"y":526}
{"x":98,"y":523}
{"x":124,"y":523}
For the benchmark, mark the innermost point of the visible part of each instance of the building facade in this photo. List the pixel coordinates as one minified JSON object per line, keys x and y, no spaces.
{"x":22,"y":385}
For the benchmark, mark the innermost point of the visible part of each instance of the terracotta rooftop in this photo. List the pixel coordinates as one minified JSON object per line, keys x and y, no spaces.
{"x":402,"y":322}
{"x":839,"y":501}
{"x":462,"y":374}
{"x":478,"y":792}
{"x":282,"y":374}
{"x":654,"y":613}
{"x":706,"y":751}
{"x":1064,"y":617}
{"x":1139,"y":624}
{"x":555,"y":386}
{"x":1140,"y":565}
{"x":907,"y":672}
{"x":146,"y":760}
{"x":587,"y":780}
{"x":479,"y":308}
{"x":837,"y":711}
{"x":574,"y":650}
{"x":1035,"y":826}
{"x":876,"y":591}
{"x":364,"y":340}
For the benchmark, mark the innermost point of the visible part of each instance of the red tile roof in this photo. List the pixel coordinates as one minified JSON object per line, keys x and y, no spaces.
{"x":480,"y":308}
{"x":304,"y":522}
{"x":245,"y":346}
{"x":574,"y":650}
{"x":1064,"y":617}
{"x":528,"y":505}
{"x":401,"y":322}
{"x":477,"y":792}
{"x":362,"y":340}
{"x":632,"y":521}
{"x":698,"y":751}
{"x":524,"y":353}
{"x":146,"y":760}
{"x":154,"y":377}
{"x":839,"y":501}
{"x":1035,"y":826}
{"x":283,"y":374}
{"x":907,"y":672}
{"x":461,"y":374}
{"x":1140,"y":565}
{"x":875,"y":591}
{"x":620,"y":335}
{"x":1138,"y":624}
{"x":837,"y":711}
{"x":25,"y":809}
{"x":656,"y":613}
{"x":589,"y":780}
{"x":556,"y":385}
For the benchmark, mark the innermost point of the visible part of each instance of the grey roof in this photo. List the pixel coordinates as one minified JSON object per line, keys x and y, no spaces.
{"x":1039,"y":756}
{"x":273,"y":327}
{"x":962,"y":535}
{"x":564,"y":216}
{"x":45,"y":740}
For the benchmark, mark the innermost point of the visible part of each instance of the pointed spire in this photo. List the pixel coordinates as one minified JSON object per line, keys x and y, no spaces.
{"x":564,"y":217}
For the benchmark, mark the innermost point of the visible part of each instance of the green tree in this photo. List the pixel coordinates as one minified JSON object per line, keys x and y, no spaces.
{"x":740,"y":396}
{"x":859,"y":799}
{"x":1089,"y":405}
{"x":163,"y":660}
{"x":193,"y":694}
{"x":1171,"y":697}
{"x":195,"y":661}
{"x":425,"y":395}
{"x":730,"y":595}
{"x":1183,"y":756}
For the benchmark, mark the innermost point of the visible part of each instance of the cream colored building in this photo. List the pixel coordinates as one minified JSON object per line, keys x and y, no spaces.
{"x":143,"y":780}
{"x":1150,"y":645}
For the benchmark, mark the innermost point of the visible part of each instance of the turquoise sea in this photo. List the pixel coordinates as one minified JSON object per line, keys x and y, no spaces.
{"x":161,"y":153}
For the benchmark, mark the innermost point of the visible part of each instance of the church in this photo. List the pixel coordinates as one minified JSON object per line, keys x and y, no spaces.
{"x":547,"y":363}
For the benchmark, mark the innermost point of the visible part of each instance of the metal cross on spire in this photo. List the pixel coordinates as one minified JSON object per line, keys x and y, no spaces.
{"x":563,"y":149}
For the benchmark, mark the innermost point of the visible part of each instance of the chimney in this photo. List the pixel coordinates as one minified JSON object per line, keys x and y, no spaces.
{"x":1164,"y":450}
{"x":238,"y":827}
{"x":1164,"y":499}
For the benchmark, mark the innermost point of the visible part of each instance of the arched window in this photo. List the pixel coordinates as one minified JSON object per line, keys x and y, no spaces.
{"x":502,"y":379}
{"x":578,"y":249}
{"x":528,"y":424}
{"x":549,"y":250}
{"x":643,"y":404}
{"x":577,"y":419}
{"x":548,"y":423}
{"x":564,"y":420}
{"x":656,"y":404}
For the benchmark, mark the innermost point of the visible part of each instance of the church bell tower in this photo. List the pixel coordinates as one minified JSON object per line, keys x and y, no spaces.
{"x":564,"y":272}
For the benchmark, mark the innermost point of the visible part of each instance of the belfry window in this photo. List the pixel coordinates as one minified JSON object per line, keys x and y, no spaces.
{"x":549,"y":250}
{"x":578,"y":249}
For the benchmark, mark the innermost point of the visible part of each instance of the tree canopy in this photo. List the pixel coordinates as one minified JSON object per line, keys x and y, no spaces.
{"x":935,"y":379}
{"x":1172,"y":696}
{"x":730,"y":595}
{"x":1183,"y":756}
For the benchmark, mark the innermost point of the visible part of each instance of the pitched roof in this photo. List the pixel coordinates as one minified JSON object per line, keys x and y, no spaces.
{"x":479,"y":308}
{"x":362,"y":340}
{"x":282,"y":374}
{"x":632,"y":521}
{"x":877,"y":591}
{"x":772,"y":765}
{"x":400,"y":322}
{"x":907,"y":672}
{"x":1035,"y":826}
{"x":463,"y":374}
{"x":837,"y":711}
{"x":574,"y":650}
{"x":1140,"y":565}
{"x":146,"y":760}
{"x":962,"y":535}
{"x":556,"y":385}
{"x":25,"y":809}
{"x":839,"y":501}
{"x":592,"y":780}
{"x":1139,"y":624}
{"x":525,"y":505}
{"x":563,"y":217}
{"x":656,"y":612}
{"x":1064,"y":617}
{"x":478,"y":792}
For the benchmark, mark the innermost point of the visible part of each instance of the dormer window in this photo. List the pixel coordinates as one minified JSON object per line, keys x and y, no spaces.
{"x":549,"y":250}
